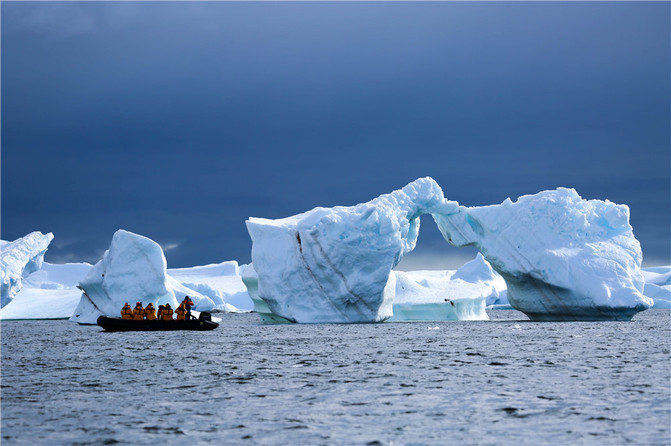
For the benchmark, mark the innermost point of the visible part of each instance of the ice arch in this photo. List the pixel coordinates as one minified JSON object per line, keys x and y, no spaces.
{"x":562,"y":257}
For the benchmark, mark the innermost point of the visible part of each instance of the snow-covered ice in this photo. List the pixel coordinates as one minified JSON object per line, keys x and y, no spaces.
{"x":220,"y":282}
{"x":334,"y":264}
{"x":132,"y":269}
{"x":447,"y":295}
{"x":658,"y":285}
{"x":562,"y":257}
{"x":49,"y":293}
{"x":20,"y":258}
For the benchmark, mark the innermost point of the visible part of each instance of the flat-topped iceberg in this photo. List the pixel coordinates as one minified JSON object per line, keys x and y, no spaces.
{"x":20,"y":258}
{"x":447,"y":295}
{"x":562,"y":257}
{"x":49,"y":293}
{"x":334,"y":264}
{"x":132,"y":269}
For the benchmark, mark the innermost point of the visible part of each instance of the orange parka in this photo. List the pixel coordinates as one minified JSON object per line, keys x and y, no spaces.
{"x":138,"y":312}
{"x":126,"y":312}
{"x":181,"y":312}
{"x":166,"y":315}
{"x":150,"y":312}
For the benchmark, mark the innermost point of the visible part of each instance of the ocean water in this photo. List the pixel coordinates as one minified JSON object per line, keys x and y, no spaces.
{"x":505,"y":381}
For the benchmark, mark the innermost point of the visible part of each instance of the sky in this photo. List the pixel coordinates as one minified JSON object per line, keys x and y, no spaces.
{"x":178,"y":121}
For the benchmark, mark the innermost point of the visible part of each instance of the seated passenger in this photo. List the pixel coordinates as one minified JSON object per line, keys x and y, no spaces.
{"x":160,"y":310}
{"x":150,"y":312}
{"x":166,"y":314}
{"x":138,"y":312}
{"x":126,"y":312}
{"x":181,"y":312}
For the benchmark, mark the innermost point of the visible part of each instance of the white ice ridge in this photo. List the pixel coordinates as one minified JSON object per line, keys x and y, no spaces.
{"x":447,"y":295}
{"x":658,"y":285}
{"x":334,"y":264}
{"x":132,"y":269}
{"x":220,"y":282}
{"x":562,"y":257}
{"x":20,"y":258}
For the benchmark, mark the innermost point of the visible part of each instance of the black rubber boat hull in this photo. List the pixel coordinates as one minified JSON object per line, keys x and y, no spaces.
{"x":118,"y":324}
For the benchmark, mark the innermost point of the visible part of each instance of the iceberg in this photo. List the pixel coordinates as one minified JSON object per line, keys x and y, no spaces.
{"x":220,"y":282}
{"x":334,"y":264}
{"x":20,"y":258}
{"x":132,"y":269}
{"x":658,"y":286}
{"x":447,"y":295}
{"x":49,"y":293}
{"x":562,"y":257}
{"x":251,"y":281}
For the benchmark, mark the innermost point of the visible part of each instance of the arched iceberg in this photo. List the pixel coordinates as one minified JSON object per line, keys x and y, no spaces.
{"x":562,"y":257}
{"x":334,"y":264}
{"x":19,"y":259}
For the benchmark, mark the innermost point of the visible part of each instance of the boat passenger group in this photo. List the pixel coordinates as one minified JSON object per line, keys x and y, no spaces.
{"x":165,"y":312}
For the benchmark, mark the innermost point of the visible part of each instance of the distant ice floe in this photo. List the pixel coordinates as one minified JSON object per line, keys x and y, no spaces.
{"x":220,"y":282}
{"x":562,"y":257}
{"x":49,"y":293}
{"x":448,"y":295}
{"x":19,"y":259}
{"x":658,"y":286}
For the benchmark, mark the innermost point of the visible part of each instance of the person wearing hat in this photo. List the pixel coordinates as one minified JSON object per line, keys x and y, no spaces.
{"x":181,"y":312}
{"x":138,"y":312}
{"x":150,"y":312}
{"x":160,"y":310}
{"x":188,"y":303}
{"x":126,"y":312}
{"x":166,"y":314}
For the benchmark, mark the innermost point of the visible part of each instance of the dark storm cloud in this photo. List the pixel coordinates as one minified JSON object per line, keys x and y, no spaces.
{"x":179,"y":120}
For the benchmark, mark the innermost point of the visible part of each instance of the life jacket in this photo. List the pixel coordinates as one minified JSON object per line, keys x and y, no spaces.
{"x":150,"y":313}
{"x":181,"y":313}
{"x":126,"y":312}
{"x":138,"y":313}
{"x":166,"y":315}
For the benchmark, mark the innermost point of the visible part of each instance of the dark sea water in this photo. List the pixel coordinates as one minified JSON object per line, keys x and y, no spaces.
{"x":506,"y":381}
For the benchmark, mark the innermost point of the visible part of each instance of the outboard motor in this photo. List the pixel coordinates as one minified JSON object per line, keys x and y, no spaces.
{"x":204,"y":316}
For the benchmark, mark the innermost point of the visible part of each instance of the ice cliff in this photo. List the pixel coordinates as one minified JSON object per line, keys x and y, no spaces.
{"x":334,"y":264}
{"x":20,"y":258}
{"x":562,"y":257}
{"x":132,"y":269}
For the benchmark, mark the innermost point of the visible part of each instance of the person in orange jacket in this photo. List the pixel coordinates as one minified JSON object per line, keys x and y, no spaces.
{"x":150,"y":312}
{"x":181,"y":312}
{"x":188,"y":303}
{"x":138,"y":312}
{"x":126,"y":312}
{"x":166,"y":314}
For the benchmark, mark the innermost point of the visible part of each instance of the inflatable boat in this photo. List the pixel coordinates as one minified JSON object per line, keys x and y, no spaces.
{"x":203,"y":322}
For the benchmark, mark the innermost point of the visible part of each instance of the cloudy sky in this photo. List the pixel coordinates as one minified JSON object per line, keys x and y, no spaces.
{"x":180,"y":120}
